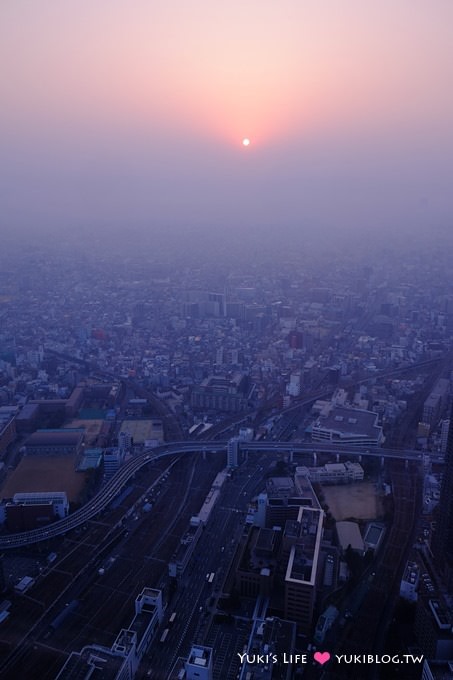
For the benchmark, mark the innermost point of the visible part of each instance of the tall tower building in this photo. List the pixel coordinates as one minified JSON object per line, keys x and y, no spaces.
{"x":443,"y":538}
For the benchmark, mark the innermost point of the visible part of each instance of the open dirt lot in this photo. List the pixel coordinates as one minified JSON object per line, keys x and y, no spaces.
{"x":359,"y":500}
{"x":45,"y":473}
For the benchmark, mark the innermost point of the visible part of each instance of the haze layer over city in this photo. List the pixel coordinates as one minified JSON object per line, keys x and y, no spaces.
{"x":226,"y":333}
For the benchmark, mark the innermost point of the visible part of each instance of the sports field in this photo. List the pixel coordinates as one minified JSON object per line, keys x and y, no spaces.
{"x":359,"y":500}
{"x":45,"y":473}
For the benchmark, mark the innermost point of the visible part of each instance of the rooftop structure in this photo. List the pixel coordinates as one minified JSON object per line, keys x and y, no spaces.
{"x":199,"y":663}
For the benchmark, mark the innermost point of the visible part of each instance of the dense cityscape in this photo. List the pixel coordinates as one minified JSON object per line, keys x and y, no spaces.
{"x":220,"y":467}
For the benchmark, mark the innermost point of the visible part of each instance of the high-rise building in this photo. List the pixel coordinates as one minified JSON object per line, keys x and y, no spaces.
{"x":300,"y":579}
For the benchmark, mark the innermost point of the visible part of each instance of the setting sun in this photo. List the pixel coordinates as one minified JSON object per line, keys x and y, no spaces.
{"x":246,"y":141}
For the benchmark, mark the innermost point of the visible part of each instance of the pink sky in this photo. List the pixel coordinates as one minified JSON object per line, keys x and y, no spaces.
{"x":167,"y":90}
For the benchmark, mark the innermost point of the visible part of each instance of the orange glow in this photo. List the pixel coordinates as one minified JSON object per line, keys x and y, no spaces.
{"x":281,"y":70}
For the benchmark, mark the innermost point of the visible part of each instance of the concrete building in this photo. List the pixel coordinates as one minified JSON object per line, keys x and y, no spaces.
{"x":294,"y":386}
{"x":32,"y":510}
{"x":325,"y":622}
{"x":7,"y":428}
{"x":333,"y":473}
{"x":58,"y":499}
{"x":444,"y":435}
{"x":270,"y":636}
{"x":113,"y":459}
{"x":409,"y":582}
{"x":353,"y":427}
{"x":28,"y":418}
{"x":436,"y":402}
{"x":301,"y":572}
{"x":122,"y":659}
{"x":233,"y":452}
{"x":257,"y":563}
{"x":125,"y":441}
{"x":433,"y":627}
{"x":283,"y":499}
{"x":55,"y":442}
{"x":221,"y":393}
{"x":199,"y":663}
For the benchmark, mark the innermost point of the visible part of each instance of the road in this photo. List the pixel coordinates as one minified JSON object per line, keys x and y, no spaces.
{"x":113,"y":487}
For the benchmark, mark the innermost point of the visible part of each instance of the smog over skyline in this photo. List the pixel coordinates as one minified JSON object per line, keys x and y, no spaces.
{"x":116,"y":118}
{"x":226,"y":339}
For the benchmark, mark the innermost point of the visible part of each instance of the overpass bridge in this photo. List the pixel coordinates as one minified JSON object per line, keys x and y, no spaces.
{"x":114,"y":486}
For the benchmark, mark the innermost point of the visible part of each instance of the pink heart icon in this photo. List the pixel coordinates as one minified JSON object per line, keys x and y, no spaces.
{"x":321,"y":657}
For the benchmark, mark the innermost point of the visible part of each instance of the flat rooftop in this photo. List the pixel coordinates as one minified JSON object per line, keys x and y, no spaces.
{"x":303,"y":559}
{"x":280,"y":486}
{"x":94,"y":662}
{"x":60,"y":437}
{"x":277,"y":636}
{"x":350,"y":421}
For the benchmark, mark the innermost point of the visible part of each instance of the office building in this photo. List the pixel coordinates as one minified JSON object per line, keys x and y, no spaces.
{"x":113,"y":459}
{"x":433,"y":627}
{"x":301,"y":572}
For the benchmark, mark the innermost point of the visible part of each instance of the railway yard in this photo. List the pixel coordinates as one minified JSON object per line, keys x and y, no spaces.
{"x":101,"y":568}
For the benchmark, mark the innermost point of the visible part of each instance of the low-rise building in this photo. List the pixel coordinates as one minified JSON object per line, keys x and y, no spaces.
{"x":333,"y":473}
{"x":352,"y":427}
{"x":55,"y":442}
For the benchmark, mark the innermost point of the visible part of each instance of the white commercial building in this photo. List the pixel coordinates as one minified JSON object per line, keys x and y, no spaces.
{"x":58,"y":499}
{"x":353,"y":427}
{"x":333,"y":473}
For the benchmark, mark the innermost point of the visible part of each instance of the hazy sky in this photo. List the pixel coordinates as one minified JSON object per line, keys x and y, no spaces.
{"x":116,"y":113}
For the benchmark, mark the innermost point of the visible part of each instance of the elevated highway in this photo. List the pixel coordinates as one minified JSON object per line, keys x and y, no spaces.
{"x":113,"y":487}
